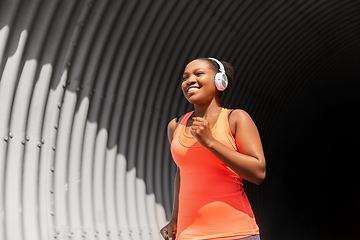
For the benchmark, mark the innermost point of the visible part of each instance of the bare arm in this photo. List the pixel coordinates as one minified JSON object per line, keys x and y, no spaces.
{"x":249,"y":162}
{"x":169,"y":231}
{"x":176,"y":196}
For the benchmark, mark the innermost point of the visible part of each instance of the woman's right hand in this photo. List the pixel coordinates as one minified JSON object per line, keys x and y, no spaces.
{"x":169,"y":231}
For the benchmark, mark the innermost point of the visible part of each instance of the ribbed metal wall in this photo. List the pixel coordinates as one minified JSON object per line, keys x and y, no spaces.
{"x":87,"y":89}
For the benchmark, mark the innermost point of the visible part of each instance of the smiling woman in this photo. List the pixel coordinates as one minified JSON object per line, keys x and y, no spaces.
{"x":217,"y":147}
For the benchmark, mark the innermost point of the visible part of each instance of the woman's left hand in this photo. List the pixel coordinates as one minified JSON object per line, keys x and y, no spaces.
{"x":201,"y":130}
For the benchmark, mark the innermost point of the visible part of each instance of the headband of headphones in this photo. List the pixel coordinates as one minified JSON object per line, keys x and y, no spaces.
{"x":221,"y":66}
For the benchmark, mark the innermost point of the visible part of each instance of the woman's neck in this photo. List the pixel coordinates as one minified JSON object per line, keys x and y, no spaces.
{"x":213,"y":109}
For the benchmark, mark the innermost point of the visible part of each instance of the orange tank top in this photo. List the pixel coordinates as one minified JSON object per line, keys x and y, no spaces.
{"x":212,"y":201}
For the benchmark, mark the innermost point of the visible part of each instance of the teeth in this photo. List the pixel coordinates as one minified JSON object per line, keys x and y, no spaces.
{"x":192,"y":90}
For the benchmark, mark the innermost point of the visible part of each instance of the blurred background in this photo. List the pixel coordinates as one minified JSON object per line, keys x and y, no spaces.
{"x":87,"y":89}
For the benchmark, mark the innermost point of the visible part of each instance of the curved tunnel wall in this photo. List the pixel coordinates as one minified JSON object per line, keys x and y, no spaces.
{"x":87,"y":89}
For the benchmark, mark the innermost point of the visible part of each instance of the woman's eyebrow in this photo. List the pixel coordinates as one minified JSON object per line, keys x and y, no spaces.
{"x":196,"y":69}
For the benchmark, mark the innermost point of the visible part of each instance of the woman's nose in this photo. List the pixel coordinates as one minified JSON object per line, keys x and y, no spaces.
{"x":191,"y":80}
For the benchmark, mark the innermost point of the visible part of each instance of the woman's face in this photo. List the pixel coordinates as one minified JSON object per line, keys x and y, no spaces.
{"x":198,"y":83}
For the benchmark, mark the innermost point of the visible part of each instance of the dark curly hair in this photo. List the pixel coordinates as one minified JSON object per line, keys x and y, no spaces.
{"x":229,"y":71}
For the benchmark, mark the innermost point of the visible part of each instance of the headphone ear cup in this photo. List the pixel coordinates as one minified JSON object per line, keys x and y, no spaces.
{"x":221,"y":81}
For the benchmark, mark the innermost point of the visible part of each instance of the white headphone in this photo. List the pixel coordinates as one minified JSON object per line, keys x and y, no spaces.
{"x":221,"y":80}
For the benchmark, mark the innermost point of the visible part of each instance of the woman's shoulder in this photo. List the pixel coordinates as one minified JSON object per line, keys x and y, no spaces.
{"x":171,"y":129}
{"x":172,"y":125}
{"x":238,"y":117}
{"x":238,"y":114}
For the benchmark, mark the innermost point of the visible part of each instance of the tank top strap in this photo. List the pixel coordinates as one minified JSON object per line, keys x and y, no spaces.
{"x":182,"y":123}
{"x":186,"y":118}
{"x":223,"y":117}
{"x":226,"y":126}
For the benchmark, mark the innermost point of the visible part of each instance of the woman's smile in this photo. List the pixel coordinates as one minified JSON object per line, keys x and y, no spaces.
{"x":193,"y":89}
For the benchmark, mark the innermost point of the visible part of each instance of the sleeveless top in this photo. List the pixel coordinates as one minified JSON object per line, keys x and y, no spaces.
{"x":212,"y":201}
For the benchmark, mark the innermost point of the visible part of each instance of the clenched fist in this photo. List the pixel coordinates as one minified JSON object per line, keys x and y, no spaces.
{"x":201,"y":130}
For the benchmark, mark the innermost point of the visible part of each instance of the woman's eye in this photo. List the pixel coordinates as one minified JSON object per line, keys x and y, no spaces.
{"x":199,"y":73}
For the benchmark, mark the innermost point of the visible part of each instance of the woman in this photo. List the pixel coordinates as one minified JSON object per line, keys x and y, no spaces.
{"x":214,"y":148}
